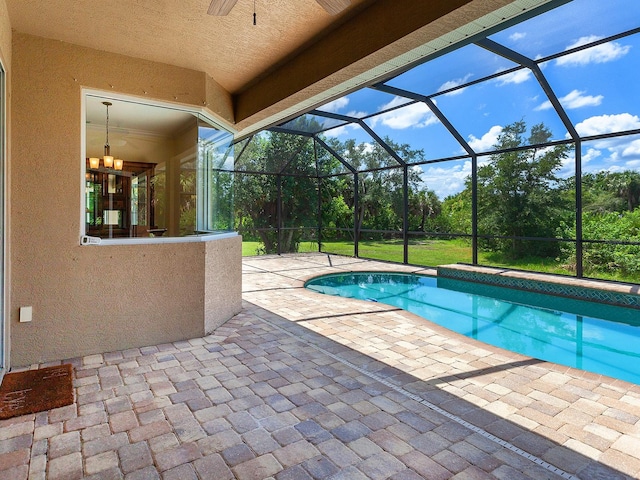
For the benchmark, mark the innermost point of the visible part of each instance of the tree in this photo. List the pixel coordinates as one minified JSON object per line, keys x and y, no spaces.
{"x":611,"y":191}
{"x":518,"y":194}
{"x":279,"y":156}
{"x":380,"y":182}
{"x":424,"y":210}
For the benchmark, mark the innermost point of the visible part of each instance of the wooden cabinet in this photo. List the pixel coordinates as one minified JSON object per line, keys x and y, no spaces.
{"x":117,"y":202}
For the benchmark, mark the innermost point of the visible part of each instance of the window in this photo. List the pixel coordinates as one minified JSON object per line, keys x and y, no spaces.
{"x":164,"y":179}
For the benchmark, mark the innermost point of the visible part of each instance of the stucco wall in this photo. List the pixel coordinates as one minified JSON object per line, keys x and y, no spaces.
{"x":223,"y":282}
{"x":94,"y":298}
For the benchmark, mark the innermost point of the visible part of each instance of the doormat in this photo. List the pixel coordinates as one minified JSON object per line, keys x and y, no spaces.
{"x":32,"y":391}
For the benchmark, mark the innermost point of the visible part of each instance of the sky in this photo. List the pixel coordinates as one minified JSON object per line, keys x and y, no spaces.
{"x":598,"y":88}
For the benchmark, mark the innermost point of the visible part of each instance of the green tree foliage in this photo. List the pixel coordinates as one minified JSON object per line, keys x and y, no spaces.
{"x":424,"y":211}
{"x":605,"y":258}
{"x":292,"y":161}
{"x":518,"y":194}
{"x":456,"y":212}
{"x":256,"y":195}
{"x":611,"y":191}
{"x":380,"y":187}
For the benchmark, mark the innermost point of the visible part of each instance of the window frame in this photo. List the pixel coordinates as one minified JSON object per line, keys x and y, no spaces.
{"x":200,"y":114}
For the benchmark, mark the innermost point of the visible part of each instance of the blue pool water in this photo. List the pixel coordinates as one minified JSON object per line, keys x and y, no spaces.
{"x":586,"y":335}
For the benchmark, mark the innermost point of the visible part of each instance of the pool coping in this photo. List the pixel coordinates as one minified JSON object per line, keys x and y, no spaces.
{"x":618,"y":294}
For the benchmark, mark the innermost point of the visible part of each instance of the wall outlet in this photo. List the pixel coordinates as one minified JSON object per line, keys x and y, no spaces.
{"x":26,"y":313}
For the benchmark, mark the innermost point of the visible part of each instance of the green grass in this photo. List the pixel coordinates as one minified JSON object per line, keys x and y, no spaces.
{"x":250,"y":249}
{"x":432,"y":253}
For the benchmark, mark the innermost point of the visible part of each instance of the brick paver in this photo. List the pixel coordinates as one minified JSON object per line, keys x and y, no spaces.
{"x":300,"y":385}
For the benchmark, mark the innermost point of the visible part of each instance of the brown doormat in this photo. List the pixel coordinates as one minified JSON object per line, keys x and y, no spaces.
{"x":32,"y":391}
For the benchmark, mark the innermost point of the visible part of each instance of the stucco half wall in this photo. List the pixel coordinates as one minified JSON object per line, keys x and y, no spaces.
{"x":91,"y":299}
{"x":168,"y":292}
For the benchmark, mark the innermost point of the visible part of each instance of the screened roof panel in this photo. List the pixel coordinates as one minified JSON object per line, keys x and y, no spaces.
{"x":303,"y":161}
{"x":285,"y":149}
{"x":360,"y":149}
{"x":270,"y":152}
{"x":416,"y":126}
{"x":599,"y":87}
{"x":248,"y":152}
{"x":362,"y":103}
{"x":328,"y":164}
{"x":239,"y":149}
{"x":459,"y":67}
{"x":309,"y":123}
{"x":570,"y":25}
{"x":216,"y":144}
{"x":596,"y":86}
{"x":514,"y":96}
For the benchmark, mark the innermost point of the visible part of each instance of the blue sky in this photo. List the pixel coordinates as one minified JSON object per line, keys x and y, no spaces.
{"x":598,"y":88}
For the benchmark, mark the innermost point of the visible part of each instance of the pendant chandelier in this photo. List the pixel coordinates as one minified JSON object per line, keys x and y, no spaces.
{"x":107,"y":160}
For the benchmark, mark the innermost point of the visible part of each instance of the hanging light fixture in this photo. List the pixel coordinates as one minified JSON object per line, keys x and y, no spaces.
{"x":107,"y":159}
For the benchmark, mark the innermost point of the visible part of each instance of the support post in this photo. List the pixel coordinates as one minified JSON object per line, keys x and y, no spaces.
{"x":405,"y":213}
{"x":356,"y":222}
{"x":279,"y":214}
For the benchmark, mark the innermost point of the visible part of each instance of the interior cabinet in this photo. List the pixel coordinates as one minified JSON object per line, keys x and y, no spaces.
{"x":117,"y":201}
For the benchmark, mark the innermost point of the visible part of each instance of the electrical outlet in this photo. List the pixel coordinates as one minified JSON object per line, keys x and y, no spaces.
{"x":26,"y":314}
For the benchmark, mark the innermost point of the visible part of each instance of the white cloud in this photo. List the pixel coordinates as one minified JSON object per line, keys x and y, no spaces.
{"x":607,"y":124}
{"x":335,"y":105}
{"x":356,"y":114}
{"x":337,"y":132}
{"x":614,"y":154}
{"x":514,"y":37}
{"x":632,"y":149}
{"x":453,"y":84}
{"x":605,"y":52}
{"x":519,"y":76}
{"x":416,"y":115}
{"x":394,"y":102}
{"x":446,"y":181}
{"x":487,"y":141}
{"x":574,"y":99}
{"x":591,"y":155}
{"x":634,"y":164}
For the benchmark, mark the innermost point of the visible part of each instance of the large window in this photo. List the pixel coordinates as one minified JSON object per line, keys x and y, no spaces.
{"x":153,"y":171}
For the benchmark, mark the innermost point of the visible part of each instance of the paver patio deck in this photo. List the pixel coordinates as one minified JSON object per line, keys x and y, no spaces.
{"x":301,"y":385}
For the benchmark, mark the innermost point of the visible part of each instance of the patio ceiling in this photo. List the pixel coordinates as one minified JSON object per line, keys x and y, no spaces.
{"x":279,"y":66}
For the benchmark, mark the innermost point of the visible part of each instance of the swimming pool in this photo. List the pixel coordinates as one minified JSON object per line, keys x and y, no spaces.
{"x":586,"y":335}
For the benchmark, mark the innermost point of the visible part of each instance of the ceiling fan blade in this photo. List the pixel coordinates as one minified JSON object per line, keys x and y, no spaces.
{"x":221,"y":7}
{"x":334,"y":7}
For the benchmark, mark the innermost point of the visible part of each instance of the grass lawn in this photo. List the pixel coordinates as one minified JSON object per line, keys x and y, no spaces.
{"x":249,"y":249}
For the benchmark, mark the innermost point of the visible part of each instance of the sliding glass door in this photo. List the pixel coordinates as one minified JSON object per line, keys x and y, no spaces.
{"x":3,"y":150}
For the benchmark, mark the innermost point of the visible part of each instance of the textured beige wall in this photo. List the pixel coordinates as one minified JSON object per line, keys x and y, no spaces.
{"x":223,"y":281}
{"x":89,"y":299}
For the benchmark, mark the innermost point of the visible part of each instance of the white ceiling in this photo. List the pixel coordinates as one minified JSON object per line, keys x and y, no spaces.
{"x":136,"y":117}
